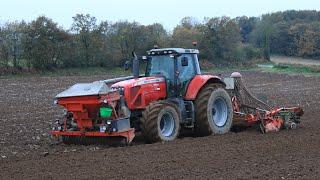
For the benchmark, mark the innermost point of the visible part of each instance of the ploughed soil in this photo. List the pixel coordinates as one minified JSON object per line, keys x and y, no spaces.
{"x":27,"y":151}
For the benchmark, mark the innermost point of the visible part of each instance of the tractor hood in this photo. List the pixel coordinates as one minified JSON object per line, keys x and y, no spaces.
{"x":139,"y":92}
{"x":138,"y":82}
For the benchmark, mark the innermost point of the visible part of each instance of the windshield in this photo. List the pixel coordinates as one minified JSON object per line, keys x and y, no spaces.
{"x":161,"y":65}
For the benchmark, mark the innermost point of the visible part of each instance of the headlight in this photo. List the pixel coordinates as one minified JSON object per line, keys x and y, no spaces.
{"x":103,"y":128}
{"x":64,"y":112}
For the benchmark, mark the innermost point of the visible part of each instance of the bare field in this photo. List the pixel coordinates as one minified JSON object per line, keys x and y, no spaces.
{"x":295,"y":60}
{"x":28,"y":152}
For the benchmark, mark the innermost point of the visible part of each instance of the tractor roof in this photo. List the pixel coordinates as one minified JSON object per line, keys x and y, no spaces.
{"x":172,"y":51}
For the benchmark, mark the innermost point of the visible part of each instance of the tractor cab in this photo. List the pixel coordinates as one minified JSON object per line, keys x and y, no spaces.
{"x":178,"y":66}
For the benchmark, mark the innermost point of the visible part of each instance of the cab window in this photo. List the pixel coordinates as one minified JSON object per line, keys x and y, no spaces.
{"x":186,"y":68}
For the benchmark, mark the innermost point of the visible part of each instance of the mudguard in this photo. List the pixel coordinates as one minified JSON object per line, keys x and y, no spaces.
{"x":198,"y":82}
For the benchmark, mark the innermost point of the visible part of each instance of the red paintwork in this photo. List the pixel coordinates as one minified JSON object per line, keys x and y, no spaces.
{"x":85,"y":108}
{"x":140,"y":92}
{"x":196,"y":84}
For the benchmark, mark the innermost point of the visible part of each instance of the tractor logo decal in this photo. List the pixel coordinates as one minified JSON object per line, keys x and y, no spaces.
{"x":148,"y":81}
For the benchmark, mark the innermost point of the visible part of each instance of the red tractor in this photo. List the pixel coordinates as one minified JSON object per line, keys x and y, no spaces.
{"x":173,"y":94}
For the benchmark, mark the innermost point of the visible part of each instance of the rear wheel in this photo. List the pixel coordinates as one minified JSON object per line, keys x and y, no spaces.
{"x":160,"y":122}
{"x":214,"y":112}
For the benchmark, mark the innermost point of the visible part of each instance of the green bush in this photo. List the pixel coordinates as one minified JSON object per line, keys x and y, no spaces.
{"x":252,"y":52}
{"x":244,"y":53}
{"x":239,"y":54}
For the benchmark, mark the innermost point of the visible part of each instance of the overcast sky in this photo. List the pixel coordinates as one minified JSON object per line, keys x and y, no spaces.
{"x":167,"y":12}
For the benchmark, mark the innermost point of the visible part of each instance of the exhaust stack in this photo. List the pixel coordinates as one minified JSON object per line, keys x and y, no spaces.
{"x":135,"y":66}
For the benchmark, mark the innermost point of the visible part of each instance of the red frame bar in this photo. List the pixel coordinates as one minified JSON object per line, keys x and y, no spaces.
{"x":129,"y":134}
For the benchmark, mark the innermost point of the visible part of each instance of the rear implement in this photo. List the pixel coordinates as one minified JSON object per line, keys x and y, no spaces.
{"x":250,"y":110}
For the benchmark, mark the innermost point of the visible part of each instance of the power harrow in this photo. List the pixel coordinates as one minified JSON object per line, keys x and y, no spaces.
{"x":250,"y":110}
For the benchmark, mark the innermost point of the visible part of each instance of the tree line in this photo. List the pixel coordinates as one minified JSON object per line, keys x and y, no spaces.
{"x":43,"y":45}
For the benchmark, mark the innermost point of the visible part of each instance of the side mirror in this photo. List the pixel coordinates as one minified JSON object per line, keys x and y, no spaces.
{"x":126,"y":65}
{"x":184,"y":61}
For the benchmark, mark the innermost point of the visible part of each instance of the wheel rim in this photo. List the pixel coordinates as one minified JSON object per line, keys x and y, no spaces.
{"x":219,"y":112}
{"x":167,"y":124}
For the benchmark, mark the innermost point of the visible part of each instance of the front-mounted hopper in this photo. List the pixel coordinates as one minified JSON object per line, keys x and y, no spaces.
{"x":93,"y":110}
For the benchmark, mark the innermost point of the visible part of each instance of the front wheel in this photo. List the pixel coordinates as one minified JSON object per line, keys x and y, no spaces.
{"x":214,"y":112}
{"x":160,"y":122}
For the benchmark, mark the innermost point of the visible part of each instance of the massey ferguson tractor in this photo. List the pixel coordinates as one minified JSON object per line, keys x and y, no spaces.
{"x":171,"y":95}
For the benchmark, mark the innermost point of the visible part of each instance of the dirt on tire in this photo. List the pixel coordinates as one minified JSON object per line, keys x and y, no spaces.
{"x":202,"y":125}
{"x":149,"y":122}
{"x":28,"y":152}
